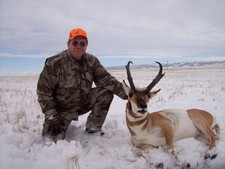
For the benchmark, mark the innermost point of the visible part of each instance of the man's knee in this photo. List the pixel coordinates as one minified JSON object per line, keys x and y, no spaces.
{"x":108,"y":95}
{"x":105,"y":96}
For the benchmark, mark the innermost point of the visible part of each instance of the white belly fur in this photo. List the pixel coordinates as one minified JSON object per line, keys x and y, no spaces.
{"x":183,"y":128}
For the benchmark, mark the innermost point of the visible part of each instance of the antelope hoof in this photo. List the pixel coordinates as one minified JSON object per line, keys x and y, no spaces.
{"x":188,"y":165}
{"x":160,"y":166}
{"x":211,"y":157}
{"x":185,"y":166}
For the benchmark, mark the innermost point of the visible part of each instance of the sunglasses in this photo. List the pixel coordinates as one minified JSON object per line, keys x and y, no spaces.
{"x":82,"y":44}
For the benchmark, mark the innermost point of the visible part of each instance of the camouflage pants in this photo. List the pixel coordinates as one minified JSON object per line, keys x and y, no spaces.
{"x":98,"y":102}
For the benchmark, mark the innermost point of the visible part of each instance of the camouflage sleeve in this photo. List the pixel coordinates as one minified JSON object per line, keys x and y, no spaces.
{"x":45,"y":88}
{"x":104,"y":79}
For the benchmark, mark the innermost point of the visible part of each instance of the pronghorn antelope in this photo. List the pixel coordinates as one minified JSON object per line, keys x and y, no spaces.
{"x":164,"y":127}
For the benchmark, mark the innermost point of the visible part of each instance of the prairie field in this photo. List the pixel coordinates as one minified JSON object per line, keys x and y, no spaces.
{"x":21,"y":122}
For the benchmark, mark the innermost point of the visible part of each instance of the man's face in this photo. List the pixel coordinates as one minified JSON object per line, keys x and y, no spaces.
{"x":77,"y":47}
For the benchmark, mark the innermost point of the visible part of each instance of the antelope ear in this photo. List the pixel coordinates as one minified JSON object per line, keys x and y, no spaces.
{"x":153,"y":93}
{"x":126,"y":88}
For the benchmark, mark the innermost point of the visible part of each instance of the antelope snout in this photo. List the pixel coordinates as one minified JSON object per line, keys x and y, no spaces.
{"x":143,"y":106}
{"x":141,"y":103}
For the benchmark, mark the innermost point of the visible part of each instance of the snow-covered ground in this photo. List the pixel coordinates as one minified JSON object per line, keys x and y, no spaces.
{"x":21,"y":121}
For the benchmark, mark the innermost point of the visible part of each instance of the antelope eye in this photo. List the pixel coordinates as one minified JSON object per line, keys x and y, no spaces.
{"x":131,"y":94}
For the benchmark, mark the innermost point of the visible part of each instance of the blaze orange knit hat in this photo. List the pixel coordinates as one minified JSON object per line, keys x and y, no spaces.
{"x":77,"y":32}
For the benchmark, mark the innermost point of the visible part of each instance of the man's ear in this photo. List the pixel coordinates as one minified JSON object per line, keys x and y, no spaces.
{"x":68,"y":43}
{"x":87,"y":41}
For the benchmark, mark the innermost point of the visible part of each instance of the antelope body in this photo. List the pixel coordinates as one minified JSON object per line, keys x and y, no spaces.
{"x":166,"y":126}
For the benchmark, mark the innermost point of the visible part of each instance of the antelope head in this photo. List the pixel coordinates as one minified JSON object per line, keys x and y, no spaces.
{"x":139,"y":97}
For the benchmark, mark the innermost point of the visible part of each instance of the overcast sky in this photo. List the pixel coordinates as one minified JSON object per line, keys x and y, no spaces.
{"x":193,"y":29}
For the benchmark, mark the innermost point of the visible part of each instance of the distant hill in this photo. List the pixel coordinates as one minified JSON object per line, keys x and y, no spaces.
{"x":209,"y":64}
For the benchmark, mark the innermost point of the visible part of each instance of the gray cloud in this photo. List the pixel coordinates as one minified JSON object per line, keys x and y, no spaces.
{"x":115,"y":28}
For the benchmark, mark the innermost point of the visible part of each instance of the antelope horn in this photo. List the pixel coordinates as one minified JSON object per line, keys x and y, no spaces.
{"x":157,"y":78}
{"x":129,"y":75}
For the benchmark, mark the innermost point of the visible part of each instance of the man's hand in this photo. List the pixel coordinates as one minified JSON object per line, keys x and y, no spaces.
{"x":56,"y":124}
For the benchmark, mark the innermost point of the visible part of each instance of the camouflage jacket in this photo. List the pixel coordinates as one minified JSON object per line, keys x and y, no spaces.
{"x":64,"y":83}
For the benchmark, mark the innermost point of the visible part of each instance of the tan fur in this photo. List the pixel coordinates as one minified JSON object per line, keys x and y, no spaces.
{"x":205,"y":122}
{"x":161,"y":126}
{"x":166,"y":126}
